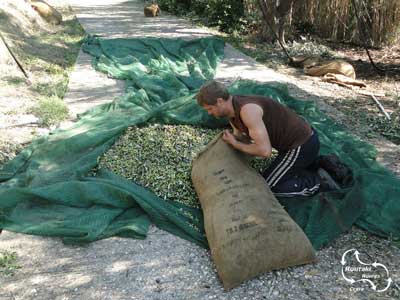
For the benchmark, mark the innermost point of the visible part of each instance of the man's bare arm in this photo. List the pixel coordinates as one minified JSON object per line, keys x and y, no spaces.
{"x":251,"y":115}
{"x":240,"y":136}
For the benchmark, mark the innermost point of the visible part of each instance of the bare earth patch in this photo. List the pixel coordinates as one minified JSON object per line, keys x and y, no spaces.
{"x":28,"y":107}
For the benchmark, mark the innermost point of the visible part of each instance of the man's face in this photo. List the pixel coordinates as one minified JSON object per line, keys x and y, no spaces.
{"x":216,"y":110}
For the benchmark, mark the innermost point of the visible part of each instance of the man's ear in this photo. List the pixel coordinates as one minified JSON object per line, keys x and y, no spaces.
{"x":220,"y":101}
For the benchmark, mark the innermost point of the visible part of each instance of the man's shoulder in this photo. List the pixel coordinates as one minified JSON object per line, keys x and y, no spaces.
{"x":251,"y":107}
{"x":260,"y":100}
{"x":252,"y":97}
{"x":251,"y":110}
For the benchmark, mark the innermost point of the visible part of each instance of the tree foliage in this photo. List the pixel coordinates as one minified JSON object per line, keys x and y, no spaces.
{"x":333,"y":19}
{"x":228,"y":15}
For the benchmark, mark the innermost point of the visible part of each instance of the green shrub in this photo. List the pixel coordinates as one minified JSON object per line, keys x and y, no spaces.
{"x":51,"y":110}
{"x":228,"y":15}
{"x":8,"y":263}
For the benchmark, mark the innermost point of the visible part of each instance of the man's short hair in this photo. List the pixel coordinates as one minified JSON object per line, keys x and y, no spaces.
{"x":210,"y":92}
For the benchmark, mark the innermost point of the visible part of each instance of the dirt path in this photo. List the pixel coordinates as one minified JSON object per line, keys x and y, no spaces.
{"x":164,"y":266}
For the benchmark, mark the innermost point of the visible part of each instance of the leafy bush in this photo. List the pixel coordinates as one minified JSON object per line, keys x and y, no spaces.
{"x":51,"y":110}
{"x":8,"y":263}
{"x":228,"y":15}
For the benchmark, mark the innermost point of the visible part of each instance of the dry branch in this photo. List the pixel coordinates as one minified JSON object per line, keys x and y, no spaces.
{"x":381,"y":107}
{"x":14,"y":57}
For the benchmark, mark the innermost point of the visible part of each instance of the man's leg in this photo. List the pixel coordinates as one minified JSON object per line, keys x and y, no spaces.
{"x":301,"y":183}
{"x":290,"y":175}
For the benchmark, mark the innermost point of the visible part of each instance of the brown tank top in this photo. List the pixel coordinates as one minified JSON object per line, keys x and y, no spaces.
{"x":285,"y":128}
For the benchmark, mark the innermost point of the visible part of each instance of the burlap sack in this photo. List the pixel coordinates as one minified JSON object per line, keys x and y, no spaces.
{"x":316,"y":66}
{"x":47,"y":12}
{"x":248,"y":231}
{"x":331,"y":67}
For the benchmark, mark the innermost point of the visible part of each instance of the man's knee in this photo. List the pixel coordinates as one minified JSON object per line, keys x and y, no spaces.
{"x":297,"y":186}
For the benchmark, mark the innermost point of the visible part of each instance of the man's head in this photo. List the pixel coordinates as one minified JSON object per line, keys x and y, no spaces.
{"x":213,"y":97}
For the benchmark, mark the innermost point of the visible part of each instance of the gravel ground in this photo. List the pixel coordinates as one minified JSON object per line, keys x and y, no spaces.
{"x":164,"y":266}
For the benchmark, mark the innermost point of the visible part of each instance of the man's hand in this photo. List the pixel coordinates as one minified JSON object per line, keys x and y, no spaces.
{"x":228,"y":137}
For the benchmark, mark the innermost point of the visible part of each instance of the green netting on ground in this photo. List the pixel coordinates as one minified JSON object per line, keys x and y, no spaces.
{"x":48,"y":188}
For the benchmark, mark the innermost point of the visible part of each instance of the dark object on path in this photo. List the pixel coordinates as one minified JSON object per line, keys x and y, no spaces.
{"x":248,"y":230}
{"x":327,"y":182}
{"x":152,"y":10}
{"x":339,"y":171}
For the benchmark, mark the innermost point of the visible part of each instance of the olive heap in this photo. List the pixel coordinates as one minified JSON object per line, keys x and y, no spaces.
{"x":159,"y":157}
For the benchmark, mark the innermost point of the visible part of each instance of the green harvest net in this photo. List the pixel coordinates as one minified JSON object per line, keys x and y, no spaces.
{"x":48,"y":189}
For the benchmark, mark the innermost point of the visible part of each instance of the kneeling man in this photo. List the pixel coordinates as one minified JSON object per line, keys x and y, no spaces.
{"x":267,"y":124}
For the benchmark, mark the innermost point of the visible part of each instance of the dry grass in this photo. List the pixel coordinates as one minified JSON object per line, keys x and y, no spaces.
{"x":336,"y":19}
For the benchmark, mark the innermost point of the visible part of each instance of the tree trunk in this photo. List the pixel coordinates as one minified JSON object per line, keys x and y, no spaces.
{"x":283,"y":10}
{"x":276,"y":14}
{"x":267,"y":17}
{"x":268,"y":11}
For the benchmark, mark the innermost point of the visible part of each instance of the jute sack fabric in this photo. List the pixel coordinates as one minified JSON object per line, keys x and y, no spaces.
{"x":47,"y":12}
{"x":248,"y":231}
{"x":322,"y":68}
{"x":316,"y":66}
